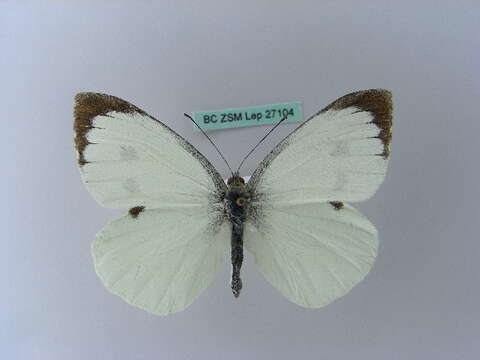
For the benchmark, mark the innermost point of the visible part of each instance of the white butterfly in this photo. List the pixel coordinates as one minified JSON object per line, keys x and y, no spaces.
{"x":290,"y":215}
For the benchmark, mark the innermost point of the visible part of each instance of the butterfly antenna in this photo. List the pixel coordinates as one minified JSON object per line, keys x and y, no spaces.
{"x":268,"y":133}
{"x":211,"y":142}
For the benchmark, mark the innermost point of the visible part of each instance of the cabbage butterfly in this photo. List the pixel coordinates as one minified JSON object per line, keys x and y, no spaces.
{"x":291,"y":214}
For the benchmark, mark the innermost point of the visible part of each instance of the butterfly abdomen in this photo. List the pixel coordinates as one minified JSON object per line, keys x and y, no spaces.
{"x":237,"y":259}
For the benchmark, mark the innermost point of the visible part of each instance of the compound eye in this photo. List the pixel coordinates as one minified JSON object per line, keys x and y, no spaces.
{"x":241,"y":201}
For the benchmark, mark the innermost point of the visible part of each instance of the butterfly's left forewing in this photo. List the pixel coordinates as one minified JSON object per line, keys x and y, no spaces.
{"x":170,"y":244}
{"x":339,"y":154}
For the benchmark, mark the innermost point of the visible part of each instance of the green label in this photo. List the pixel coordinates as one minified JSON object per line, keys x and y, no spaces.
{"x":248,"y":116}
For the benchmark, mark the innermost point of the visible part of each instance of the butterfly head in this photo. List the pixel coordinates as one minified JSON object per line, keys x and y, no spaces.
{"x":236,"y":181}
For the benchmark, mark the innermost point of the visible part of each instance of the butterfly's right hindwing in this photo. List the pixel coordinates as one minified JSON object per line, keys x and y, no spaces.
{"x":161,"y":260}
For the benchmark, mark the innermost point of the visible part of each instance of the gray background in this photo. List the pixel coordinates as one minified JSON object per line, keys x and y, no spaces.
{"x":421,"y":299}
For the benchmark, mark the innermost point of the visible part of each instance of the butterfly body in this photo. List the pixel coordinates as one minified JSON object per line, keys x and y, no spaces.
{"x":293,"y":216}
{"x":237,"y":204}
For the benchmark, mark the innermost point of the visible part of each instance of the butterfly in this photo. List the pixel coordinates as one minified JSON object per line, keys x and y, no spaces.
{"x":183,"y":218}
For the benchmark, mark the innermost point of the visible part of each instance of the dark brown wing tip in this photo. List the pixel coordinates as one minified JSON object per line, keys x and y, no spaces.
{"x":379,"y":103}
{"x":87,"y":106}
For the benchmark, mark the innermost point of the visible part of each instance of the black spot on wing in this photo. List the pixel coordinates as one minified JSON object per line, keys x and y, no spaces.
{"x":135,"y":211}
{"x":336,"y":204}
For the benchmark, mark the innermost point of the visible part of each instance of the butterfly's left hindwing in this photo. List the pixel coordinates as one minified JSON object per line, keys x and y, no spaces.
{"x":312,"y":253}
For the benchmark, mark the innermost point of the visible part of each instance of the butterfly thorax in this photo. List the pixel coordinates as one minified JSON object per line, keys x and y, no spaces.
{"x":237,"y":201}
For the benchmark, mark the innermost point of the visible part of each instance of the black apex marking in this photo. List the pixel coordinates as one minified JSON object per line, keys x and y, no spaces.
{"x":336,"y":204}
{"x":89,"y":105}
{"x":379,"y":103}
{"x":135,"y":211}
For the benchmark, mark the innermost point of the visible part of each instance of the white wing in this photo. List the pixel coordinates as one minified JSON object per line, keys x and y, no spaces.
{"x":161,"y":260}
{"x":339,"y":154}
{"x":127,"y":158}
{"x":166,"y":250}
{"x":306,"y":242}
{"x":312,"y":253}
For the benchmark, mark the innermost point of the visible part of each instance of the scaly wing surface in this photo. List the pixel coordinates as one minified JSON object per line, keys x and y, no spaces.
{"x":128,"y":158}
{"x":339,"y":154}
{"x":161,"y":260}
{"x":308,"y":244}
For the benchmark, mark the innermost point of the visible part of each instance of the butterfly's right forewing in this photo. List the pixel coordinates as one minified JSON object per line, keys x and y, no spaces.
{"x":128,"y":158}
